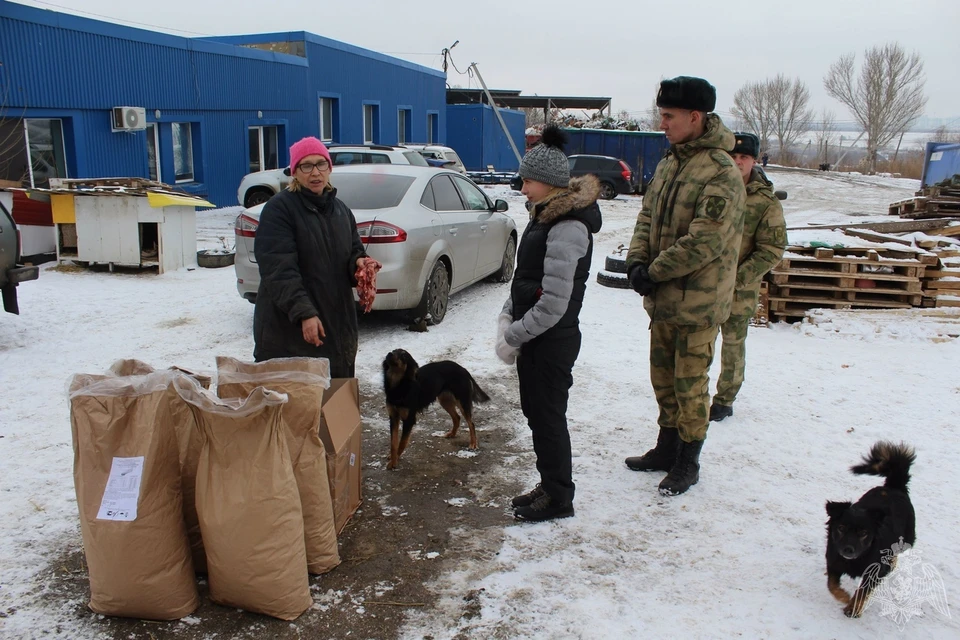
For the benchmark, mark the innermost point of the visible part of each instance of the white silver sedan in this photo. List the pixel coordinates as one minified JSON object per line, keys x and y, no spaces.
{"x":434,"y":231}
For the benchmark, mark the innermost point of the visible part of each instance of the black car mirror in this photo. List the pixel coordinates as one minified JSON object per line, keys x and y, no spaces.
{"x":781,"y":195}
{"x":500,"y":206}
{"x":286,"y":171}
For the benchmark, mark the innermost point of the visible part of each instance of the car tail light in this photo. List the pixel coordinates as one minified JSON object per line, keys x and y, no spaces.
{"x":246,"y":226}
{"x":380,"y":232}
{"x":626,"y":173}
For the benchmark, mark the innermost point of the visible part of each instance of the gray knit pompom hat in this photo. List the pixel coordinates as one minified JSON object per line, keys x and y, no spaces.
{"x":546,"y":162}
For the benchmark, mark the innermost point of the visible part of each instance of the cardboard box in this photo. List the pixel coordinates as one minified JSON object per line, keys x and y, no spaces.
{"x":341,"y":431}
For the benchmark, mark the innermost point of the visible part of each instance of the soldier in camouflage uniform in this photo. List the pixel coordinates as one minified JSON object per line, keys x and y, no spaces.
{"x":764,"y":239}
{"x":683,"y":260}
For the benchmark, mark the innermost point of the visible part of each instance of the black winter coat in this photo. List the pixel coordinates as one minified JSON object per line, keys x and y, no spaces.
{"x":307,"y":248}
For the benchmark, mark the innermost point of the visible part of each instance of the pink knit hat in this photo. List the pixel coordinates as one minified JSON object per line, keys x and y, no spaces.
{"x":307,"y":147}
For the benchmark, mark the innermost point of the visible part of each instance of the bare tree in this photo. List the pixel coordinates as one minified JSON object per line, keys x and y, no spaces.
{"x":944,"y":134}
{"x":790,"y":115}
{"x":751,"y":106}
{"x":824,"y":133}
{"x":651,"y":119}
{"x":885,"y":98}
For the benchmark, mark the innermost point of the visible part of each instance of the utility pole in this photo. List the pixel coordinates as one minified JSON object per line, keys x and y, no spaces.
{"x":496,"y":112}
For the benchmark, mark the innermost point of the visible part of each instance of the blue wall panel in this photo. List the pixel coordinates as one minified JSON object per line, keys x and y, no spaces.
{"x":76,"y":69}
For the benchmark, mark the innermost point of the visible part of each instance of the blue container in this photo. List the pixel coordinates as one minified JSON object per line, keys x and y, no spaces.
{"x":941,"y":164}
{"x":641,"y":150}
{"x":475,"y":134}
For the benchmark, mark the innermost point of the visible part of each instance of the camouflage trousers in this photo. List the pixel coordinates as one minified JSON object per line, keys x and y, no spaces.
{"x":680,"y":359}
{"x":733,"y":359}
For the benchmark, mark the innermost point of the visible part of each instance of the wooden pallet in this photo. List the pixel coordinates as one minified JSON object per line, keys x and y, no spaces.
{"x":870,"y":297}
{"x":940,"y":192}
{"x":908,"y":206}
{"x":855,"y":267}
{"x":833,"y":281}
{"x":873,"y":254}
{"x":762,"y":316}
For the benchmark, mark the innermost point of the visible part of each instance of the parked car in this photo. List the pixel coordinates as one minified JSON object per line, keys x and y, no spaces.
{"x":434,"y":231}
{"x":12,"y":273}
{"x":256,"y":188}
{"x":438,"y":152}
{"x":614,"y":175}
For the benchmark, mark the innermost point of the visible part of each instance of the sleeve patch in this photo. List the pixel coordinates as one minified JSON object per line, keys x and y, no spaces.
{"x":715,"y":207}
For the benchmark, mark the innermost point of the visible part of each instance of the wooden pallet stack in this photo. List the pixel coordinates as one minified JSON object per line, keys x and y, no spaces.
{"x":846,"y":278}
{"x":929,"y":202}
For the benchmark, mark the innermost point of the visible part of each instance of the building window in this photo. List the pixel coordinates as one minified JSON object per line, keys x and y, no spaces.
{"x":403,"y":126}
{"x":183,"y":151}
{"x":153,"y":151}
{"x":45,"y":146}
{"x":264,"y":148}
{"x":371,"y":124}
{"x":328,"y":114}
{"x":433,"y":128}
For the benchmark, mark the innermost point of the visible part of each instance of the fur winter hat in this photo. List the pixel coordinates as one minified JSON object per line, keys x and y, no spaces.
{"x":546,"y":162}
{"x":307,"y":147}
{"x":684,"y":92}
{"x":747,"y":143}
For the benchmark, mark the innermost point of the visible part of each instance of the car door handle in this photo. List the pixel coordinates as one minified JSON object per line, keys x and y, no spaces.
{"x":453,"y":231}
{"x":483,"y":227}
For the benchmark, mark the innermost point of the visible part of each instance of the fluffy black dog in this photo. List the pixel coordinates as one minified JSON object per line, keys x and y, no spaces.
{"x":861,"y":537}
{"x":410,"y":388}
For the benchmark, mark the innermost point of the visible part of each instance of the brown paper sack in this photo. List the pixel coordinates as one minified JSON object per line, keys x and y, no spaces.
{"x":248,"y":505}
{"x":126,"y":470}
{"x":303,"y":380}
{"x":189,"y":441}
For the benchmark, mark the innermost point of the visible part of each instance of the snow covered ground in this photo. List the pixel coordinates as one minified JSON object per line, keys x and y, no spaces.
{"x":740,"y":555}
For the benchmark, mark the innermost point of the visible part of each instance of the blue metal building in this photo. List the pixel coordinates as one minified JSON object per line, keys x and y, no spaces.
{"x":474,"y":132}
{"x":213,"y":109}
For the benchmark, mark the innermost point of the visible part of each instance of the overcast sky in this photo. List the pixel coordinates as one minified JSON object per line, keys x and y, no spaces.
{"x":616,"y":48}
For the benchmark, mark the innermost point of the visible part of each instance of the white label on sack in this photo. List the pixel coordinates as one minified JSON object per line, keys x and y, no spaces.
{"x":123,"y":490}
{"x":353,"y":459}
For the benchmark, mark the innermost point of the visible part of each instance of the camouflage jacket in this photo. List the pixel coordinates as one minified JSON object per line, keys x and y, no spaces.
{"x":688,"y":230}
{"x":764,"y":239}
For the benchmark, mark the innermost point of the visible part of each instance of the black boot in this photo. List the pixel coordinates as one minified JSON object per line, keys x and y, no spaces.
{"x":720,"y":411}
{"x":526,"y":499}
{"x":543,"y":508}
{"x":662,"y":456}
{"x":686,"y":472}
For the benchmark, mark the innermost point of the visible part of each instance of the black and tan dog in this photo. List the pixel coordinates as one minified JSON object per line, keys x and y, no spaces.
{"x":410,"y":389}
{"x":863,"y":537}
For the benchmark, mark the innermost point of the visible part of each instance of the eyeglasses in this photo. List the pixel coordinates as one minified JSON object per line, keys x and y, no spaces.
{"x":308,"y":167}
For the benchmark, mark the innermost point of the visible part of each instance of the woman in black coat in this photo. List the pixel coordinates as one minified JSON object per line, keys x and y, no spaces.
{"x":308,"y":251}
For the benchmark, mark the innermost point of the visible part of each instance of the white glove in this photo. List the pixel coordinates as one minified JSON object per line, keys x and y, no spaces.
{"x":503,"y":322}
{"x":505,"y":352}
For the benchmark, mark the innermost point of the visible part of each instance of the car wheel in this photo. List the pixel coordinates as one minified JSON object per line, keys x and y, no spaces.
{"x":257,"y":196}
{"x":438,"y":293}
{"x":615,"y":264}
{"x":616,"y":281}
{"x":607,"y":192}
{"x":505,"y":274}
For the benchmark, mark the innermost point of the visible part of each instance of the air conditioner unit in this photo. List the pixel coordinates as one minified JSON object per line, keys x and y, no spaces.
{"x":129,"y":119}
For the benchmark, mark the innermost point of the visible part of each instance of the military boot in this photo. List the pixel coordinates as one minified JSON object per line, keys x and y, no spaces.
{"x":662,"y":457}
{"x":720,"y":411}
{"x":686,"y":472}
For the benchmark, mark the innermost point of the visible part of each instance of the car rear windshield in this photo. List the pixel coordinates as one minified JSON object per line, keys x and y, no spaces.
{"x":415,"y":158}
{"x":370,"y":190}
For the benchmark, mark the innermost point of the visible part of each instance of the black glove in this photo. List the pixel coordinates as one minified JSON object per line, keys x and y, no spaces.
{"x":640,"y":280}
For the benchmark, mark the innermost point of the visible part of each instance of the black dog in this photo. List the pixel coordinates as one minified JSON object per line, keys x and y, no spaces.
{"x":410,"y":389}
{"x":861,"y":537}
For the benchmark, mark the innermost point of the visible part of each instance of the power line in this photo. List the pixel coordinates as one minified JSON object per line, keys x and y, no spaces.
{"x":115,"y":19}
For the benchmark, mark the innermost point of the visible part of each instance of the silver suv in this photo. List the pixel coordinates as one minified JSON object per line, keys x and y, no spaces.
{"x":257,"y":188}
